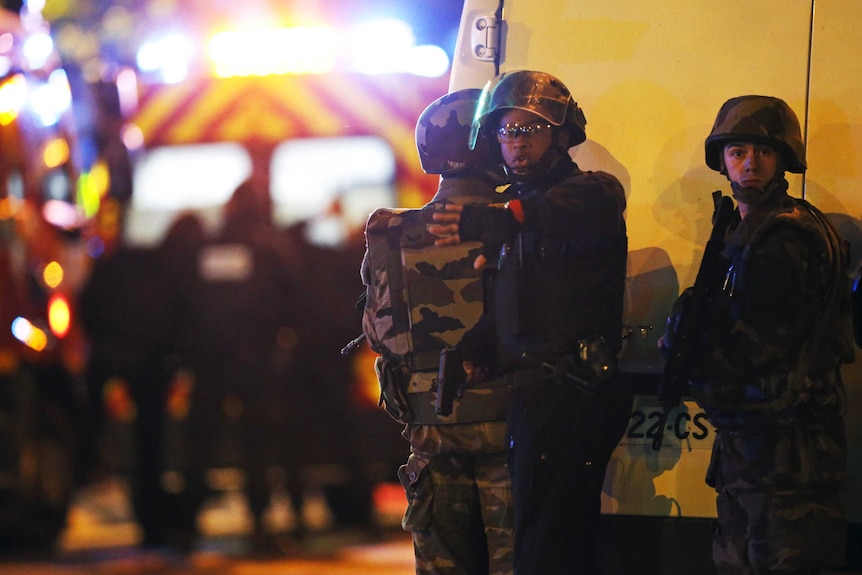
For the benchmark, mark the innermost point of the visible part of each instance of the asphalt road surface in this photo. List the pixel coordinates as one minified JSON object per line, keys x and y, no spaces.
{"x":391,"y":557}
{"x":101,"y":539}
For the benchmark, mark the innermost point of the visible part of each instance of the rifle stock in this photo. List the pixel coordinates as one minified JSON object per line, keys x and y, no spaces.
{"x":689,"y":326}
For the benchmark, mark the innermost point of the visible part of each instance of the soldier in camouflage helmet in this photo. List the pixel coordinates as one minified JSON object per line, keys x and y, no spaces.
{"x":443,"y":143}
{"x":560,"y":249}
{"x":768,"y":374}
{"x":457,"y":484}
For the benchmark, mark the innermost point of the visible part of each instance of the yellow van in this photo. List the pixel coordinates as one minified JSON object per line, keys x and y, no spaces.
{"x":650,"y":76}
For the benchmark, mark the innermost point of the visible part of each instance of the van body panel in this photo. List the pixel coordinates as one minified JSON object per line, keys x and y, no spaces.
{"x":650,"y":77}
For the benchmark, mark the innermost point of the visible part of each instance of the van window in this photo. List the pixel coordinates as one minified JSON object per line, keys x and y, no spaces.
{"x":200,"y":175}
{"x":170,"y":179}
{"x":334,"y":183}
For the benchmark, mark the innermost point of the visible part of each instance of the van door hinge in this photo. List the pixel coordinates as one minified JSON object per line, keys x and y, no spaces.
{"x":484,"y":38}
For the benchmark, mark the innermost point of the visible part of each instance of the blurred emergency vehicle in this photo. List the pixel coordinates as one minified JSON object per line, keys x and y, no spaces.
{"x":330,"y":140}
{"x":44,"y":242}
{"x":650,"y":76}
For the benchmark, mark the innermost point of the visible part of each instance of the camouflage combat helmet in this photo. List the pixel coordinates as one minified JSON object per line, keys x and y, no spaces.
{"x":536,"y":92}
{"x":442,"y":133}
{"x":759,"y":119}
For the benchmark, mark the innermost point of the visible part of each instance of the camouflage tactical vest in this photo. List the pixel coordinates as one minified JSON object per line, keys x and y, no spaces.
{"x":421,"y":299}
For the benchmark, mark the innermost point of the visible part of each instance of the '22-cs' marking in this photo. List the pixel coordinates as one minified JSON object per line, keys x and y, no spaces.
{"x":646,"y":425}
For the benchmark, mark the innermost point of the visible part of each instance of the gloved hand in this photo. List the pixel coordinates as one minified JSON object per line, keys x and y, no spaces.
{"x":492,"y":225}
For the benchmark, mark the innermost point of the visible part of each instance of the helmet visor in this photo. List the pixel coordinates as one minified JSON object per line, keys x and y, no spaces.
{"x":481,"y":112}
{"x":536,"y":92}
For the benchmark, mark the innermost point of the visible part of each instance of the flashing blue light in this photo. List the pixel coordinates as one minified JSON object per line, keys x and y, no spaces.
{"x":21,"y":328}
{"x":168,"y":56}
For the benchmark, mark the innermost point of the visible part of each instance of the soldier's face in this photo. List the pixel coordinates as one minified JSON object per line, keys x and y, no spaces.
{"x":750,"y":165}
{"x":524,"y":138}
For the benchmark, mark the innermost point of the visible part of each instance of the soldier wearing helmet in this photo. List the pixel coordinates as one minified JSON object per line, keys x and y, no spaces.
{"x":765,"y":125}
{"x":456,"y":481}
{"x":768,"y":373}
{"x":467,"y":171}
{"x":560,"y":250}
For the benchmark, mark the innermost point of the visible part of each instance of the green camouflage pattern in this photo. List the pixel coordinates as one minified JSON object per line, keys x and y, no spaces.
{"x":454,"y":499}
{"x":421,"y":299}
{"x":443,"y":131}
{"x":484,"y":402}
{"x":761,"y":119}
{"x":772,"y":389}
{"x":779,"y":532}
{"x":776,"y":391}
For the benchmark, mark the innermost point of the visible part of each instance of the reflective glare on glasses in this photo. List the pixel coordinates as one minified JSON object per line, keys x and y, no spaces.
{"x":509,"y":132}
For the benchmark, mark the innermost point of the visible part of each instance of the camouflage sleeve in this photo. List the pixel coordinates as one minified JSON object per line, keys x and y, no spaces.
{"x":774,"y":304}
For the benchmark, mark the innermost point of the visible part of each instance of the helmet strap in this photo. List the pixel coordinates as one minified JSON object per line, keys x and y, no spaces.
{"x":755,"y":197}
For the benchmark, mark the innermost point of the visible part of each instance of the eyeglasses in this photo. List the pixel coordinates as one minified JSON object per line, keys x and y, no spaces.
{"x":509,"y":132}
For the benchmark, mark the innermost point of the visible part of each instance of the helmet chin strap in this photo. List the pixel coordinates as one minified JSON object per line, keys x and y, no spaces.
{"x":755,"y":197}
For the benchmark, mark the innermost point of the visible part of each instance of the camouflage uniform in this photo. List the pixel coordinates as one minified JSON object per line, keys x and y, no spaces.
{"x":456,"y":480}
{"x":459,"y":498}
{"x":769,"y":381}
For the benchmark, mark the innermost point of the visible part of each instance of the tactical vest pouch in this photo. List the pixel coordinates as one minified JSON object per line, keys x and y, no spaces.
{"x":421,"y":298}
{"x":393,"y":382}
{"x":418,"y":487}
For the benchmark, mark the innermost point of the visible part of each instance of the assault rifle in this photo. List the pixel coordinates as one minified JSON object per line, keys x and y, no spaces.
{"x":691,"y":319}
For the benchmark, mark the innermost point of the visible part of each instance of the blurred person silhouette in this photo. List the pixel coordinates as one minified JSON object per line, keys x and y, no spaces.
{"x":354,"y":459}
{"x":240,"y":351}
{"x":124,"y":307}
{"x":178,"y":254}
